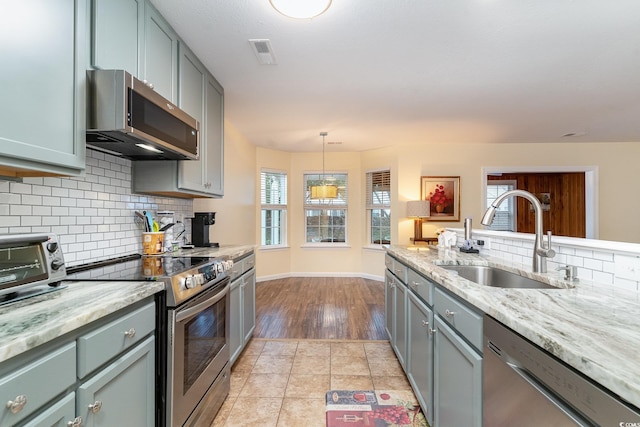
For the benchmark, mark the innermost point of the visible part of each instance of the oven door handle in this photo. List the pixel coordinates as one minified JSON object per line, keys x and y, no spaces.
{"x":184,"y":314}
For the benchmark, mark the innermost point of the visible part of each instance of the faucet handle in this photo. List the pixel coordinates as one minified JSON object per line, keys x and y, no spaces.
{"x":545,"y":249}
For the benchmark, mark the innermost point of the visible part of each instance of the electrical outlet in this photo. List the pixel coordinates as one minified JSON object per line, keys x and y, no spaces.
{"x":627,"y":267}
{"x":487,"y":243}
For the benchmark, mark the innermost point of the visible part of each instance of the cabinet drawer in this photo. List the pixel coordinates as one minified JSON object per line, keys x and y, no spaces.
{"x":100,"y":345}
{"x":248,"y":263}
{"x":400,"y":271}
{"x":460,"y":317}
{"x":39,"y":381}
{"x":420,"y":285}
{"x":388,"y":262}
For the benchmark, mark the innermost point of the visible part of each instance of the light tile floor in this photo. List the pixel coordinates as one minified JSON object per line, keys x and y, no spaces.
{"x":282,"y":383}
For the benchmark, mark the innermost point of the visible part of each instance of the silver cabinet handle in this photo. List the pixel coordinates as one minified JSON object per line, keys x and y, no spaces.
{"x":432,"y":331}
{"x":130,"y":333}
{"x":425,"y":324}
{"x":76,"y":422}
{"x":415,"y":285}
{"x":449,"y":313}
{"x":16,"y":405}
{"x":95,"y":407}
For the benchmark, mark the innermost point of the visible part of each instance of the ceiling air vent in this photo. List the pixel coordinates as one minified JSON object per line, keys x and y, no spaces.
{"x":263,"y":50}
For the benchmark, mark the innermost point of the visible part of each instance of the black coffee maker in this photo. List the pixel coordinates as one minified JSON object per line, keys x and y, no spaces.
{"x":200,"y":229}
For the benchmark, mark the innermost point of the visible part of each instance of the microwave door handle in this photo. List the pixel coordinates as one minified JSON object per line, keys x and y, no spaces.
{"x":182,"y":315}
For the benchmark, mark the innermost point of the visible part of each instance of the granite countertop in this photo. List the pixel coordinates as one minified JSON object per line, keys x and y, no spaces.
{"x":230,"y":251}
{"x":593,"y":327}
{"x":28,"y":323}
{"x":31,"y":322}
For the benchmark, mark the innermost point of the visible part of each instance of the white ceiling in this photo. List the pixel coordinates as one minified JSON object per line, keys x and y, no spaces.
{"x":374,"y":73}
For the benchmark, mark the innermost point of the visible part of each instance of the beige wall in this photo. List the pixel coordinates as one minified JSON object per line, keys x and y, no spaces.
{"x":236,"y":211}
{"x":618,"y":200}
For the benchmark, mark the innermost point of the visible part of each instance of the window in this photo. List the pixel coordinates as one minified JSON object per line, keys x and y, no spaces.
{"x":325,"y":219}
{"x":273,"y":202}
{"x":505,"y":219}
{"x":379,"y":207}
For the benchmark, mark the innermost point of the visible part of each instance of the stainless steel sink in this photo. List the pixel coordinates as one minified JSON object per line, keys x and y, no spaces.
{"x":491,"y":276}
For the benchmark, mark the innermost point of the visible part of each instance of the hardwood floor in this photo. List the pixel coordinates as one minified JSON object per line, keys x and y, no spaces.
{"x":320,"y":308}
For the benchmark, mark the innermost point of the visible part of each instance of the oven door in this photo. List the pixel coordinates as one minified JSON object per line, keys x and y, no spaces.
{"x":197,"y":350}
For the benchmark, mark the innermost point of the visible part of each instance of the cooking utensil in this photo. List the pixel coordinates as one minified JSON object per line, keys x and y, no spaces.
{"x":167,"y":226}
{"x":155,"y":227}
{"x":149,"y":222}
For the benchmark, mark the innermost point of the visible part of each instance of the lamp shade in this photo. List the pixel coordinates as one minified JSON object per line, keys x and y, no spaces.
{"x":418,"y":209}
{"x":324,"y":191}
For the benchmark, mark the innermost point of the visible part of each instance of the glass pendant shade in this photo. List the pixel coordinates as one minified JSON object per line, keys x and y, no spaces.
{"x":301,"y":9}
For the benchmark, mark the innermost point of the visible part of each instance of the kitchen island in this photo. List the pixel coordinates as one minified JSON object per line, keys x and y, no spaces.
{"x":592,"y":327}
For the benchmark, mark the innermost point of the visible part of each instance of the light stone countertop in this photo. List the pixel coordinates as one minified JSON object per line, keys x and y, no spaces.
{"x":31,"y":322}
{"x":592,"y":327}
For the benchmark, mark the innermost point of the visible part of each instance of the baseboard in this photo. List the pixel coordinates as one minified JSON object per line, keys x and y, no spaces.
{"x":306,"y":274}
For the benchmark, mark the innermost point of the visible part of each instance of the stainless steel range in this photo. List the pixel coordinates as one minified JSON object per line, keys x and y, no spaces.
{"x":193,"y":328}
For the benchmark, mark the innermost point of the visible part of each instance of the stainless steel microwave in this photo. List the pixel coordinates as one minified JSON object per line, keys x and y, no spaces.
{"x":127,"y":118}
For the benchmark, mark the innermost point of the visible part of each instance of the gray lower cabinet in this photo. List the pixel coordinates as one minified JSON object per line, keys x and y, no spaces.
{"x":122,"y":393}
{"x":458,"y":380}
{"x":420,"y":353}
{"x":437,"y":338}
{"x":100,"y":375}
{"x":121,"y":49}
{"x":395,"y":313}
{"x":45,"y":63}
{"x":242,"y":305}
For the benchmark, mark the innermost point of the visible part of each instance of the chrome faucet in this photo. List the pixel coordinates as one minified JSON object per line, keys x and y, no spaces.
{"x":540,"y":251}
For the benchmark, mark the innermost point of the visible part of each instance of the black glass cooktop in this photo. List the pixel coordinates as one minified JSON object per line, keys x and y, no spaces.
{"x":135,"y":267}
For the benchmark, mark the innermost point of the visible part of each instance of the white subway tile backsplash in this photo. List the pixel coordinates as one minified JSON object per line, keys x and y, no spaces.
{"x":93,"y":214}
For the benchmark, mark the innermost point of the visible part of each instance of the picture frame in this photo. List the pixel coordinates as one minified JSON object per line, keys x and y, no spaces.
{"x":443,"y":193}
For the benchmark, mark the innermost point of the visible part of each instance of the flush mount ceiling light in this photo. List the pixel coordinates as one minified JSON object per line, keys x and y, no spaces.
{"x":301,"y":9}
{"x":323,"y":191}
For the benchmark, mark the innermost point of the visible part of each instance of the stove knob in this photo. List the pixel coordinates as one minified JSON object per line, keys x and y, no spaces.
{"x":190,"y":282}
{"x":52,"y":247}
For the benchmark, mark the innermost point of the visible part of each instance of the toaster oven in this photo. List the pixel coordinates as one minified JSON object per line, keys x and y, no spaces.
{"x":29,"y":260}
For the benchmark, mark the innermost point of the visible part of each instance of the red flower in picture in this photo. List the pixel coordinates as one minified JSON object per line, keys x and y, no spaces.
{"x":438,"y":198}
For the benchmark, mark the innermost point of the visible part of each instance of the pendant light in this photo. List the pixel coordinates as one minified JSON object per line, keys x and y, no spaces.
{"x":301,"y":9}
{"x":324,"y":191}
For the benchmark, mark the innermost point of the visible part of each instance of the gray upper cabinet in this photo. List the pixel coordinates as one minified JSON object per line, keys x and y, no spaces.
{"x":42,"y":113}
{"x":120,"y":49}
{"x":201,"y":96}
{"x":160,"y":65}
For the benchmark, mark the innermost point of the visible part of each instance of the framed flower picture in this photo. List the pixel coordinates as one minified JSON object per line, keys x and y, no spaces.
{"x":443,"y":194}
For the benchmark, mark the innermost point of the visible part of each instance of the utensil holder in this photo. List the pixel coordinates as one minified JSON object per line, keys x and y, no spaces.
{"x":152,"y":243}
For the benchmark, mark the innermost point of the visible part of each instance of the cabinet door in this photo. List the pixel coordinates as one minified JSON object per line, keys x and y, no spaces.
{"x":458,"y":380}
{"x":389,"y":284}
{"x":420,"y":353}
{"x":124,"y":390}
{"x":235,"y":320}
{"x":400,"y":323}
{"x":121,"y":49}
{"x":42,"y":113}
{"x":249,"y":305}
{"x":160,"y":67}
{"x":214,"y":134}
{"x":60,"y":414}
{"x":191,"y":98}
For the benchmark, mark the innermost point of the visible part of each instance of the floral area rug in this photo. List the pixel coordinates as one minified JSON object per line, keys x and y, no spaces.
{"x":353,"y":408}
